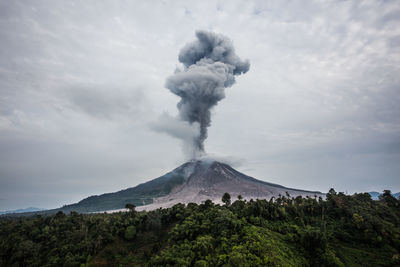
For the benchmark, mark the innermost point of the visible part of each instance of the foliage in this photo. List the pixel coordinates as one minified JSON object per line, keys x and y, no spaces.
{"x":130,"y":232}
{"x":226,"y":199}
{"x":342,"y":230}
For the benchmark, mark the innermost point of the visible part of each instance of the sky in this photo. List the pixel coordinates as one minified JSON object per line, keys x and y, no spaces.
{"x":81,"y":83}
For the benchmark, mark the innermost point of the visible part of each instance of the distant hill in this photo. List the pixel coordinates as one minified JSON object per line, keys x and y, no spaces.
{"x":30,"y":209}
{"x":375,"y":195}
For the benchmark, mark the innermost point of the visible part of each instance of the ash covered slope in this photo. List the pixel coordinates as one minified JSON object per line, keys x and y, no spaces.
{"x":210,"y":180}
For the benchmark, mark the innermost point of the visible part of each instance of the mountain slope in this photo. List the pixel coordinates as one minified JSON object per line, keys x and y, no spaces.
{"x":140,"y":195}
{"x":30,"y":209}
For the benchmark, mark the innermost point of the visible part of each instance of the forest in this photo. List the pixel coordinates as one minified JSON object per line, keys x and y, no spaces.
{"x":341,"y":230}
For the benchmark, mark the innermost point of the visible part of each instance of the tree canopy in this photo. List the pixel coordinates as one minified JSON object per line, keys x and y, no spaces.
{"x":342,"y":230}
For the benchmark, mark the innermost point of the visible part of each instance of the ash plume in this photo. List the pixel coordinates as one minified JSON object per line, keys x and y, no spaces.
{"x":210,"y":66}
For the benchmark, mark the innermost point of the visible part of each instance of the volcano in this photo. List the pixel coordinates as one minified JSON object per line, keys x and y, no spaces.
{"x":202,"y":180}
{"x":194,"y":181}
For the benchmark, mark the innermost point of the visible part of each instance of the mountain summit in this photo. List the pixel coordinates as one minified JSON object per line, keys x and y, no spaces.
{"x":194,"y":181}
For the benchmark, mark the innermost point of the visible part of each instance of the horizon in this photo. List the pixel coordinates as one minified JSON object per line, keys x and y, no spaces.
{"x":86,"y":95}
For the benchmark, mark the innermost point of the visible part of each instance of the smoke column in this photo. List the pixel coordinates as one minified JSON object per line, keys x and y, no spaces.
{"x":210,"y":66}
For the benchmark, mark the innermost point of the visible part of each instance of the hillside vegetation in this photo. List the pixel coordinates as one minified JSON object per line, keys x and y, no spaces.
{"x":339,"y":231}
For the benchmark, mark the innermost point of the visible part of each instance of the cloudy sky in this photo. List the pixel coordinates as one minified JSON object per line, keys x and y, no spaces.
{"x":82,"y":82}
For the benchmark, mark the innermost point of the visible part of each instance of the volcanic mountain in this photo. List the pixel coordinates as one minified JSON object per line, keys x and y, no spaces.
{"x":194,"y":181}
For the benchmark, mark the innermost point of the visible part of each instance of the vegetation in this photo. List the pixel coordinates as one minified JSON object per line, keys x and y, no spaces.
{"x":339,"y":231}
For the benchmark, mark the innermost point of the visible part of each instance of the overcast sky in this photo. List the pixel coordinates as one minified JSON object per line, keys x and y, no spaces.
{"x":82,"y":82}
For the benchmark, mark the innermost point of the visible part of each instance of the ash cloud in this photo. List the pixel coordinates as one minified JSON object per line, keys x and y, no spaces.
{"x":210,"y":65}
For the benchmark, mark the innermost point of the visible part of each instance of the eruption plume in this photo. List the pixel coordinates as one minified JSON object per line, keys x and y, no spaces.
{"x":210,"y":66}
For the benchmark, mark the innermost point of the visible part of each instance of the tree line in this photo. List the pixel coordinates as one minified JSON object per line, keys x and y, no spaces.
{"x":341,"y":230}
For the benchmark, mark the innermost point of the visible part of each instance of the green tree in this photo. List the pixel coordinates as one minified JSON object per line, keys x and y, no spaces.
{"x":389,"y":198}
{"x":226,"y":199}
{"x":130,"y":232}
{"x":357,"y":220}
{"x":131,"y":207}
